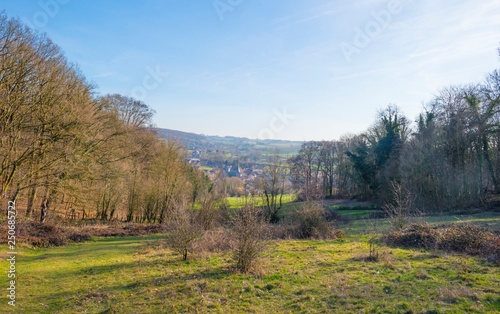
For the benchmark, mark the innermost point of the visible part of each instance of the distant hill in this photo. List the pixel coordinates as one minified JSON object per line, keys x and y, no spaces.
{"x":229,"y":145}
{"x":167,"y":133}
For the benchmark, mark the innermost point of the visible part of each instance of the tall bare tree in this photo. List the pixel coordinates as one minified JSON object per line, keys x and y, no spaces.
{"x":272,"y":185}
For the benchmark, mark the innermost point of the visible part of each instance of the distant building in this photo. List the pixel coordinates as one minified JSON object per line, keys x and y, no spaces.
{"x":194,"y":162}
{"x":234,"y":170}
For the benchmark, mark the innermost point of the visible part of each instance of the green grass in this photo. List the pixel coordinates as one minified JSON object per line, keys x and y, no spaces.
{"x":239,"y":202}
{"x":357,"y":213}
{"x":379,"y":226}
{"x":138,"y":275}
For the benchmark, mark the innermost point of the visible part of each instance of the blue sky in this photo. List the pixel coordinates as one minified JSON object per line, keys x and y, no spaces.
{"x":286,"y":69}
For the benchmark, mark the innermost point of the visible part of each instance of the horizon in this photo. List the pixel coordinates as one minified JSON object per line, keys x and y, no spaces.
{"x":223,"y":136}
{"x":283,"y":70}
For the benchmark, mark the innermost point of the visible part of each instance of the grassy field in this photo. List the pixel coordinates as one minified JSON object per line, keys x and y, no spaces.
{"x":139,"y":275}
{"x":239,"y":202}
{"x":381,"y":226}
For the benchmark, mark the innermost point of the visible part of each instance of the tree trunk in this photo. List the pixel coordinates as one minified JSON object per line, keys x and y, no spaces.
{"x":44,"y":208}
{"x":16,"y":194}
{"x":490,"y":165}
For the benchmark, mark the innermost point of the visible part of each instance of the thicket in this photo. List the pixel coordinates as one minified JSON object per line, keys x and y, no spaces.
{"x":468,"y":239}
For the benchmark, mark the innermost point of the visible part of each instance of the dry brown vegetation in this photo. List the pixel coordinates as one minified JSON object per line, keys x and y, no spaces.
{"x":185,"y":230}
{"x":38,"y":234}
{"x":248,"y":231}
{"x":468,"y":239}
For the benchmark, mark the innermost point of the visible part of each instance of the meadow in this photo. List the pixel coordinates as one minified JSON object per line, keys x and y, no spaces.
{"x":141,"y":275}
{"x":240,"y":201}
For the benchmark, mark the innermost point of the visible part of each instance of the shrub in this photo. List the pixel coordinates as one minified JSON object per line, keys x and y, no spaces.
{"x":185,"y":230}
{"x":311,"y":222}
{"x":39,"y":234}
{"x":280,"y":231}
{"x":402,"y":208}
{"x":332,"y":214}
{"x":417,"y":235}
{"x":46,"y":235}
{"x":79,"y":237}
{"x":469,"y":239}
{"x":465,"y":238}
{"x":214,"y":241}
{"x":248,"y":232}
{"x":211,"y":213}
{"x":373,"y":249}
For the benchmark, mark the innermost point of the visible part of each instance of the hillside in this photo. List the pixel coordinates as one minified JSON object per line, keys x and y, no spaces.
{"x":212,"y":147}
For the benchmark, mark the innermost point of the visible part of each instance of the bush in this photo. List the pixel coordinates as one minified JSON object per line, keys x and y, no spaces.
{"x":185,"y":230}
{"x":38,"y":234}
{"x":214,"y":241}
{"x":280,"y":231}
{"x":401,"y":210}
{"x":249,"y":234}
{"x":417,"y":235}
{"x":332,"y":214}
{"x":79,"y":237}
{"x":211,"y":213}
{"x":46,"y":235}
{"x":311,"y":222}
{"x":468,"y":239}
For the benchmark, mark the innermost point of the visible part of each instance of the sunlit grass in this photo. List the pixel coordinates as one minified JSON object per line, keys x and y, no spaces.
{"x":363,"y":225}
{"x":258,"y":200}
{"x":138,"y":275}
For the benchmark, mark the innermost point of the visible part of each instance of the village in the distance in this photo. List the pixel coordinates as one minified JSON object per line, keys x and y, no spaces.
{"x":240,"y":159}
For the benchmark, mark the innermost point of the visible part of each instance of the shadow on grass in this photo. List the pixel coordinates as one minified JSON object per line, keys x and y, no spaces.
{"x":179,"y":282}
{"x":99,"y":247}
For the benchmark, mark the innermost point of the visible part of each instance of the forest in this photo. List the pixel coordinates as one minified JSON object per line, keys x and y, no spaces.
{"x":62,"y":145}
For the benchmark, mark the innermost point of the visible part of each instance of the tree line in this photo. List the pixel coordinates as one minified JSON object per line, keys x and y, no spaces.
{"x":63,"y":145}
{"x":447,"y":159}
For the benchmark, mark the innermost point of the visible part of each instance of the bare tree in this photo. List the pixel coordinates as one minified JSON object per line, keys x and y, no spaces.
{"x":272,"y":185}
{"x":305,"y":170}
{"x":132,"y":112}
{"x":248,"y":230}
{"x":185,"y":230}
{"x":402,"y":209}
{"x":328,"y":155}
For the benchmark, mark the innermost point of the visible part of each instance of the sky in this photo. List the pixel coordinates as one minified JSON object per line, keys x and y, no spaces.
{"x":282,"y":69}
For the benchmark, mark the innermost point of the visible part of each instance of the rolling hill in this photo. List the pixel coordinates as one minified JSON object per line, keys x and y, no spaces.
{"x":207,"y":146}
